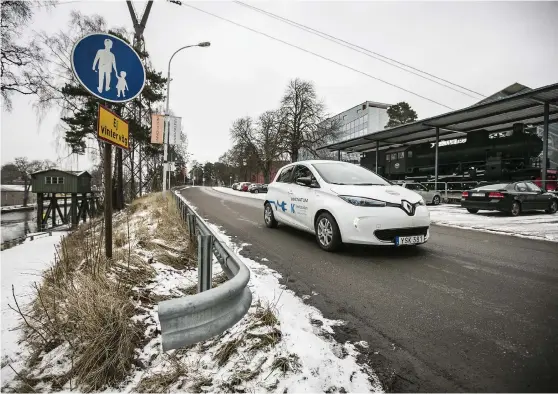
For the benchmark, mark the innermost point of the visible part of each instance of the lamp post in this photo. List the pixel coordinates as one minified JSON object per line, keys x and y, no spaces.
{"x":166,"y":134}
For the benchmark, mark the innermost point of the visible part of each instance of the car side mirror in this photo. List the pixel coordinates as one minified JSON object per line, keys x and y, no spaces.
{"x":304,"y":180}
{"x":307,"y":181}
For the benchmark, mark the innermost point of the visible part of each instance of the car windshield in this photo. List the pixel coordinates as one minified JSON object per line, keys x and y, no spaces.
{"x":339,"y":173}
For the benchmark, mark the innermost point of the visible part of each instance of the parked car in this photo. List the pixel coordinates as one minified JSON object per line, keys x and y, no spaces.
{"x":341,"y":202}
{"x":257,"y":188}
{"x":244,"y":186}
{"x":430,"y":196}
{"x":513,"y":198}
{"x":235,"y":185}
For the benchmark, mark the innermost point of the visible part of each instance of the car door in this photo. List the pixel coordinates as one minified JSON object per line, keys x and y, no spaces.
{"x":301,"y":199}
{"x":540,"y":200}
{"x":526,"y":197}
{"x":278,"y":195}
{"x":425,"y":193}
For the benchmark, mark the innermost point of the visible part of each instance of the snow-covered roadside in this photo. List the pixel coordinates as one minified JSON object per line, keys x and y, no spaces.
{"x":255,"y":196}
{"x":323,"y":364}
{"x":539,"y":226}
{"x":280,"y":345}
{"x":21,"y":266}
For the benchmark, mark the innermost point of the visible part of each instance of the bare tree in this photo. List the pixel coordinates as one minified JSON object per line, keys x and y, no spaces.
{"x":21,"y":62}
{"x":302,"y":118}
{"x":26,"y":168}
{"x":268,"y":141}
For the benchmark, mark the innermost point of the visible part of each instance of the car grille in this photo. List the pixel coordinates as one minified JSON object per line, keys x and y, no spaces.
{"x":390,"y":234}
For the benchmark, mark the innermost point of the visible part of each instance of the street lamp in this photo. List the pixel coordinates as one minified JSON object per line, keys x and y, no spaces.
{"x":166,"y":143}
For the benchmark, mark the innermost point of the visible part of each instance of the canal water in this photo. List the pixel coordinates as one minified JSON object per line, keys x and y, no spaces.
{"x":18,"y":224}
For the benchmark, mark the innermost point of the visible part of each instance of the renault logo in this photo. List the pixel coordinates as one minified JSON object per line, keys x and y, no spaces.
{"x":408,"y":207}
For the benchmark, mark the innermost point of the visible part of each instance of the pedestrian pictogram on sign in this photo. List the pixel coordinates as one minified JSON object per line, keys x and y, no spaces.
{"x":112,"y":129}
{"x":108,"y":67}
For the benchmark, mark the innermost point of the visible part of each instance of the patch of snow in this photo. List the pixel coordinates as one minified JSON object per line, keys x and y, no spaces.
{"x":536,"y":225}
{"x":227,"y":190}
{"x":324,"y":362}
{"x":21,"y":266}
{"x":318,"y":363}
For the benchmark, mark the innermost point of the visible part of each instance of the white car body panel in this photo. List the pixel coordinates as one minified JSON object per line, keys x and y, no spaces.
{"x":297,"y":205}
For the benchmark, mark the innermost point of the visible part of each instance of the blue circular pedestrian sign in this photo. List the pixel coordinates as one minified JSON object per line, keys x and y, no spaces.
{"x":108,"y":67}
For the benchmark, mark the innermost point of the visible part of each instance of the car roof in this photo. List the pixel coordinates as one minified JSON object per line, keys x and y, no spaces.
{"x":316,"y":162}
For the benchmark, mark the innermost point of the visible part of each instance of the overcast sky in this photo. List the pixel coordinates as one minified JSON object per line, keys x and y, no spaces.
{"x":484,"y":46}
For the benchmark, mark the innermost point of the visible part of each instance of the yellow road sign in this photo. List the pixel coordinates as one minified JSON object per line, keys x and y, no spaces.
{"x":112,"y":129}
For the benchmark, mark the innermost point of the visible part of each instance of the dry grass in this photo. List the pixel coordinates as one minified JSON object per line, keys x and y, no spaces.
{"x":102,"y":312}
{"x":119,"y":239}
{"x":264,"y":340}
{"x":264,"y":316}
{"x":226,"y":350}
{"x":86,"y":301}
{"x":161,"y":382}
{"x":201,"y":382}
{"x":286,"y":364}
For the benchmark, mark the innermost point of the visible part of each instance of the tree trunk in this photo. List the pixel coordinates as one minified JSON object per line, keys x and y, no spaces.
{"x":25,"y":192}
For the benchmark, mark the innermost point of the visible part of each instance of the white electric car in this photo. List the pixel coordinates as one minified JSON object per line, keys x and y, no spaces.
{"x":344,"y":203}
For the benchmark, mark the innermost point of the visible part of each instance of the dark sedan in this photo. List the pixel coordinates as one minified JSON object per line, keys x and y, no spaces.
{"x":257,"y":188}
{"x":513,"y":198}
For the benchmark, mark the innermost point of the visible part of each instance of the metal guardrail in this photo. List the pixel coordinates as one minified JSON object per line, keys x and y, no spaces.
{"x":191,"y":319}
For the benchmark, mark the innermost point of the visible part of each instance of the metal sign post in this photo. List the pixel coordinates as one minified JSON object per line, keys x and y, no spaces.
{"x":114,"y":131}
{"x":108,"y":199}
{"x":111,"y":70}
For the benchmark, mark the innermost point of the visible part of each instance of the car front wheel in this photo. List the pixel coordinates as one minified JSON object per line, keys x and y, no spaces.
{"x":472,"y":210}
{"x":327,"y":232}
{"x":553,"y":207}
{"x":269,"y":218}
{"x":436,"y":200}
{"x":256,"y":191}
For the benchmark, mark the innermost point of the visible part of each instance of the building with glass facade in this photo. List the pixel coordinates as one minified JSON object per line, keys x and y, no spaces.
{"x":368,"y":117}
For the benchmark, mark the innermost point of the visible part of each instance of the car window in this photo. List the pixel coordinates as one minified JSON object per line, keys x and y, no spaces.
{"x":341,"y":173}
{"x":285,"y":176}
{"x":521,"y":187}
{"x":498,"y":186}
{"x":411,"y":186}
{"x":532,"y":187}
{"x":302,"y":171}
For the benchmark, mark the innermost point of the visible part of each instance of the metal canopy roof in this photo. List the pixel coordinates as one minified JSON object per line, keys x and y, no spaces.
{"x":494,"y":116}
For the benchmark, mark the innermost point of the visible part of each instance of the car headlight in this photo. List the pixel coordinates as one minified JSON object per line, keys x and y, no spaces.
{"x":421,"y":202}
{"x":363,"y":201}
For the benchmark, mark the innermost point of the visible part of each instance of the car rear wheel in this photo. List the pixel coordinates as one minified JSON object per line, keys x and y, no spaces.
{"x":327,"y":232}
{"x":269,"y":218}
{"x":515,"y":209}
{"x":553,"y":207}
{"x":436,"y":200}
{"x":472,"y":210}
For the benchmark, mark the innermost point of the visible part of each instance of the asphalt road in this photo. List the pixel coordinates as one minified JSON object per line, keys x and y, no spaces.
{"x":468,"y":311}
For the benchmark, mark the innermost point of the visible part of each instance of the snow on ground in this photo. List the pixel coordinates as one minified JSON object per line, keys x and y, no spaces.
{"x":21,"y":266}
{"x":293,"y":353}
{"x":227,"y":190}
{"x":537,"y":225}
{"x":323,"y":364}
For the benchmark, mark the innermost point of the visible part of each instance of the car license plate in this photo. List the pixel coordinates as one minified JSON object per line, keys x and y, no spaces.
{"x":478,"y":194}
{"x":412,"y":240}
